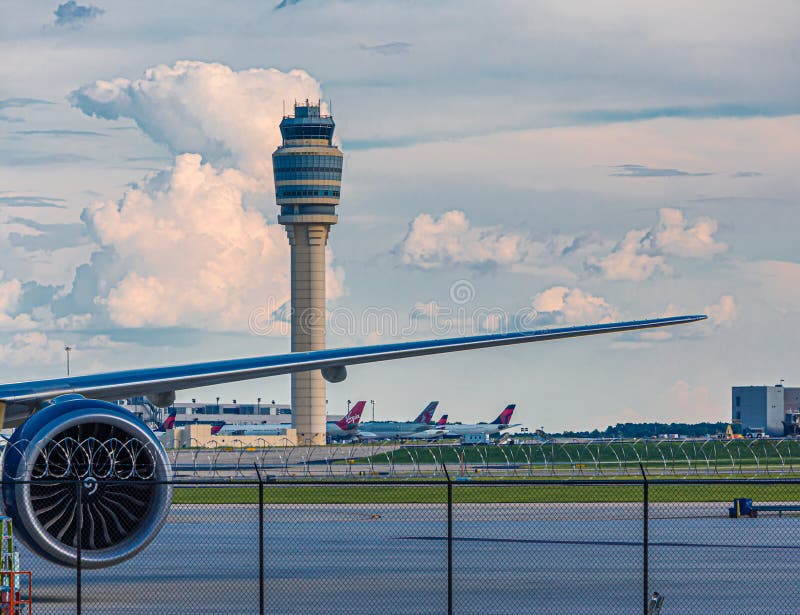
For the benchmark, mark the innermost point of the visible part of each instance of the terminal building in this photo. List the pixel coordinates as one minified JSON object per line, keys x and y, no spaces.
{"x":212,"y":412}
{"x":766,"y":410}
{"x":229,"y":413}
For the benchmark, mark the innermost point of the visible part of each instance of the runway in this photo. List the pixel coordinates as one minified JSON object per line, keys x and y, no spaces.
{"x":508,"y":558}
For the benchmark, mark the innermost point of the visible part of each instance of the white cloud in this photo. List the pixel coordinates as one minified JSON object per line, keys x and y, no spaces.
{"x":643,"y":252}
{"x":10,"y":292}
{"x":561,"y":304}
{"x":31,"y":348}
{"x":628,"y":262}
{"x":426,"y":311}
{"x":187,"y":248}
{"x":230,"y":117}
{"x":192,"y":253}
{"x":724,"y":312}
{"x":450,"y":239}
{"x":675,"y":236}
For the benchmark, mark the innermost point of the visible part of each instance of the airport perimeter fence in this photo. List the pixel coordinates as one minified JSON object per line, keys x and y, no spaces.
{"x":765,"y":457}
{"x":426,"y":546}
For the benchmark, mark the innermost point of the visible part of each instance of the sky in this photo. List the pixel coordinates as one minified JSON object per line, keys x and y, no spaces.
{"x":507,"y":165}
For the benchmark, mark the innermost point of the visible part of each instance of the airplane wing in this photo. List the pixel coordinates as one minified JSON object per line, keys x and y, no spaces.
{"x":19,"y":400}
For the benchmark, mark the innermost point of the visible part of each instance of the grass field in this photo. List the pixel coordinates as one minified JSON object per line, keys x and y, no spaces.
{"x":711,"y":454}
{"x":477,"y":493}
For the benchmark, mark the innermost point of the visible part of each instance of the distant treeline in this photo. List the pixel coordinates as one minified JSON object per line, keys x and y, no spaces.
{"x":647,"y":430}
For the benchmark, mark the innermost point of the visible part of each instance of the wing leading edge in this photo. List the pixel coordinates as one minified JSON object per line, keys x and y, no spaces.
{"x":19,"y":400}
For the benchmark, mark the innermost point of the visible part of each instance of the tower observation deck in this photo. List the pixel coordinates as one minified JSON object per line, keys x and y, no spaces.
{"x":308,"y":179}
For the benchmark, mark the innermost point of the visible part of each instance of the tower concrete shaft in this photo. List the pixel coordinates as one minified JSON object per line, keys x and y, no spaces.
{"x":308,"y":171}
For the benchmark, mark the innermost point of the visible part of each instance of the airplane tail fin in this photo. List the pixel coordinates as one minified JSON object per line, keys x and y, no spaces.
{"x":352,"y":418}
{"x":443,"y":420}
{"x":426,"y":416}
{"x":169,"y":422}
{"x":505,"y":415}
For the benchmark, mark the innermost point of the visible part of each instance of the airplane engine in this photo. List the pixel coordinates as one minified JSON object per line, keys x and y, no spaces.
{"x":111,"y":457}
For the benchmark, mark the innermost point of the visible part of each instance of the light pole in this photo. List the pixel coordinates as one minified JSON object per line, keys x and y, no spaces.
{"x":217,"y":405}
{"x":68,"y":349}
{"x":259,"y":406}
{"x":372,"y":401}
{"x":348,"y":406}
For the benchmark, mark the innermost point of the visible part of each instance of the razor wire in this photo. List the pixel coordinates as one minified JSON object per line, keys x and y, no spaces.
{"x":124,"y":459}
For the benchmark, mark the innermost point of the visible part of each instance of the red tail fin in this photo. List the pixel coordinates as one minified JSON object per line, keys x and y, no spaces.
{"x":169,"y":422}
{"x":352,"y":418}
{"x":505,"y":415}
{"x":426,"y":416}
{"x":443,"y":420}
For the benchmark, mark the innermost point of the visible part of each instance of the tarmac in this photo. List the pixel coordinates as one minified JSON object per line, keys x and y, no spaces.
{"x":507,"y":558}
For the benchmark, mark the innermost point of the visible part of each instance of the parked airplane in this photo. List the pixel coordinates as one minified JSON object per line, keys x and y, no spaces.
{"x":501,"y":423}
{"x":345,"y":428}
{"x":426,"y":416}
{"x":67,"y":431}
{"x":400,"y":430}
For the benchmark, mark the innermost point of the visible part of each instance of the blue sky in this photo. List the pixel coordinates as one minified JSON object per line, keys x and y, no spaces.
{"x":505,"y":164}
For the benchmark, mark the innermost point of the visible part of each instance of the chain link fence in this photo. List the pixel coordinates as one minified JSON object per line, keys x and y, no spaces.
{"x":533,"y":459}
{"x":447,"y":545}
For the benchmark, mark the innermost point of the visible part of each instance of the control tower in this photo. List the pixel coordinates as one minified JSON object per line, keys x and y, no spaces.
{"x":308,"y":178}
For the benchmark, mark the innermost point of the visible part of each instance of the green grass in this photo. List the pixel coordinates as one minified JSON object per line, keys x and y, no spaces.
{"x":716,"y":453}
{"x":476,"y":493}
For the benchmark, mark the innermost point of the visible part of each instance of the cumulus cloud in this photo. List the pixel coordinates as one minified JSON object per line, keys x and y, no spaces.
{"x":10,"y":293}
{"x":724,"y":312}
{"x":186,"y":246}
{"x":37,"y":348}
{"x":450,"y":239}
{"x":192,"y":253}
{"x":721,"y":314}
{"x":73,"y":15}
{"x":229,"y":117}
{"x":31,"y":348}
{"x":426,"y":311}
{"x":628,"y":261}
{"x":675,"y":236}
{"x":643,"y":252}
{"x":563,"y":305}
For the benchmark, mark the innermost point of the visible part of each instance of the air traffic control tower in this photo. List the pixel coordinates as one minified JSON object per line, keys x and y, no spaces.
{"x":308,"y":178}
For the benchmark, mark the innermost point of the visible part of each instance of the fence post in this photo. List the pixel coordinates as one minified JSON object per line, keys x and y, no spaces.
{"x":260,"y":541}
{"x":78,"y":540}
{"x":645,"y":541}
{"x":449,"y":541}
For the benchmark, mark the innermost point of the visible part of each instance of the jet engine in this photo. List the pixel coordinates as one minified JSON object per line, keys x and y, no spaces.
{"x":87,"y":473}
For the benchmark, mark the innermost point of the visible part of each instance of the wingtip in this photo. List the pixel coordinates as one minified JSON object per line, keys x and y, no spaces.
{"x":685,"y":319}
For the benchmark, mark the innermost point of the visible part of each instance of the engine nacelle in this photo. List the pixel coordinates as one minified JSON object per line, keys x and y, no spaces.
{"x":334,"y":373}
{"x":162,"y":400}
{"x":106,"y":453}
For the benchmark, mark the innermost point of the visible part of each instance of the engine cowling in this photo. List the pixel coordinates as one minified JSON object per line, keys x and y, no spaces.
{"x":107,"y":453}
